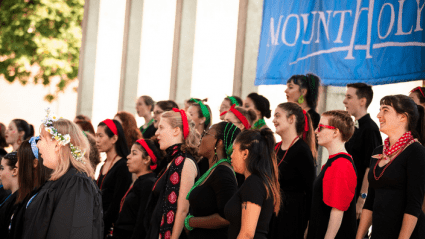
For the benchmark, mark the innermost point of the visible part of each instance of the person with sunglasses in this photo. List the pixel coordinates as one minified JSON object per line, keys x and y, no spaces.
{"x":215,"y":187}
{"x":333,"y":209}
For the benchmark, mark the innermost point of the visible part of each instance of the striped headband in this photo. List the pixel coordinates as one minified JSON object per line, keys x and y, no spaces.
{"x":143,"y":143}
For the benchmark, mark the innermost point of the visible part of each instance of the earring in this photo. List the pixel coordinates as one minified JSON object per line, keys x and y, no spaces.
{"x":301,"y":99}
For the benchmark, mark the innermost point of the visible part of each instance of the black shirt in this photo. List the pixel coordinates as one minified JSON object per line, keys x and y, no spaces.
{"x":113,"y":186}
{"x":135,"y":203}
{"x":361,"y":145}
{"x":6,"y":210}
{"x":400,"y":190}
{"x":252,"y":190}
{"x":315,"y":117}
{"x":2,"y":152}
{"x":149,"y":132}
{"x":69,"y":207}
{"x":3,"y":194}
{"x":210,"y":198}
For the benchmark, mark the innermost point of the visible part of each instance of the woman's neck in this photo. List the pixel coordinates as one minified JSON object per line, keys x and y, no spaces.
{"x":287,"y":138}
{"x":305,"y":106}
{"x":395,"y":135}
{"x":336,"y":147}
{"x":247,"y":174}
{"x":14,"y":187}
{"x":143,"y":172}
{"x":111,"y":154}
{"x":220,"y":155}
{"x":200,"y":128}
{"x":15,"y":146}
{"x":148,"y":118}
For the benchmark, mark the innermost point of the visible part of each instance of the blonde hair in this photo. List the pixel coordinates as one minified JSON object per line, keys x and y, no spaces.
{"x":64,"y":126}
{"x":191,"y":143}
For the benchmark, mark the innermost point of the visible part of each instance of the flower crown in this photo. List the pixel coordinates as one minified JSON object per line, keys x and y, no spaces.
{"x":62,"y":139}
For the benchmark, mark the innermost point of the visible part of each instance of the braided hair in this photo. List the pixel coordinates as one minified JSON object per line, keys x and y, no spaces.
{"x":227,"y":132}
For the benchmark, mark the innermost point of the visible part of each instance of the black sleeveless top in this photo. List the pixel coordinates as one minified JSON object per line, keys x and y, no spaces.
{"x":320,"y":212}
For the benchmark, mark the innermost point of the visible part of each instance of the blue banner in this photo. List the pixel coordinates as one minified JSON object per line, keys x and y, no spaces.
{"x":345,"y":41}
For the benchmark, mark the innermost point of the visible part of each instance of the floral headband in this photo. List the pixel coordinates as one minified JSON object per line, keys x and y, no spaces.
{"x":62,"y":139}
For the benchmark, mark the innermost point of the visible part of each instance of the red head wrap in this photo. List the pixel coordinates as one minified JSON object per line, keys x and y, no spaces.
{"x":420,"y":89}
{"x":149,"y":151}
{"x":305,"y":124}
{"x":185,"y":123}
{"x":111,"y":125}
{"x":240,"y":116}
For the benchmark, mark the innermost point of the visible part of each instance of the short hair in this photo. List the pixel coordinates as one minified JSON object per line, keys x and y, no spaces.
{"x":341,"y":120}
{"x":363,"y":91}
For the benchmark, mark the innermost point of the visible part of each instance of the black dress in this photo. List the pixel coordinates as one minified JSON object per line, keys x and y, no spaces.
{"x":296,"y":177}
{"x":148,"y":132}
{"x":361,"y":145}
{"x":210,"y":198}
{"x":3,"y":194}
{"x":134,"y":205}
{"x":113,"y":186}
{"x":162,"y":203}
{"x":70,"y":207}
{"x":6,"y":210}
{"x":315,"y":117}
{"x":2,"y":152}
{"x":400,"y":190}
{"x":254,"y":191}
{"x":321,"y":212}
{"x":17,"y":221}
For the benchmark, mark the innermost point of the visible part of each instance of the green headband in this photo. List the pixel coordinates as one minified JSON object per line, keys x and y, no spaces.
{"x":233,"y":100}
{"x":204,"y":109}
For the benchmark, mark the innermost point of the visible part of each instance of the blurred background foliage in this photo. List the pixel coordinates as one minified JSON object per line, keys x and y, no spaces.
{"x":40,"y":40}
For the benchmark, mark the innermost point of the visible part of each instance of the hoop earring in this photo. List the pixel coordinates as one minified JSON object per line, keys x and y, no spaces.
{"x":301,"y":99}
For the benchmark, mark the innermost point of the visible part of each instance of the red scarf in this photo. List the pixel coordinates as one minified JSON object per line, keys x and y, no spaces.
{"x":401,"y":143}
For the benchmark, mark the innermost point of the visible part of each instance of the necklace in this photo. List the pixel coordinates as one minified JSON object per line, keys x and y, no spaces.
{"x":205,"y":175}
{"x":147,"y":126}
{"x":260,"y":123}
{"x":278,"y":146}
{"x":110,"y":166}
{"x":125,"y":195}
{"x":401,"y":149}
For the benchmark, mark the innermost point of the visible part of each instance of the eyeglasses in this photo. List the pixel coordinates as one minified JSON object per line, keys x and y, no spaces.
{"x":319,"y":128}
{"x":206,"y":133}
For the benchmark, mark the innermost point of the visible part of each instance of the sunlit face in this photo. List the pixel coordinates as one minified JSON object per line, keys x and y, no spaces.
{"x":208,"y":142}
{"x":8,"y":175}
{"x":103,"y":142}
{"x":48,"y":149}
{"x":326,"y":136}
{"x":238,"y":158}
{"x":231,"y":118}
{"x":165,"y":134}
{"x":157,"y":111}
{"x":225,"y":106}
{"x":292,"y":92}
{"x":12,"y":134}
{"x":352,"y":102}
{"x":135,"y":161}
{"x":281,"y":122}
{"x":415,"y":98}
{"x":141,"y":107}
{"x":193,"y":111}
{"x":389,"y":119}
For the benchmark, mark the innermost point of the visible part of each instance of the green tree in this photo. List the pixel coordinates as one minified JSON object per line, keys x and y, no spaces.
{"x":43,"y":33}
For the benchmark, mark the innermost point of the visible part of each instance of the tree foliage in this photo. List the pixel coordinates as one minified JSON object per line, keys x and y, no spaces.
{"x":40,"y":33}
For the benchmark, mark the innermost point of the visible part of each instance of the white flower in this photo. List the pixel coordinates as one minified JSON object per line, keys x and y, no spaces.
{"x":67,"y":139}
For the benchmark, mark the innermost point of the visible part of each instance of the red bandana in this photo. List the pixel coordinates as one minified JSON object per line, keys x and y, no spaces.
{"x":111,"y":125}
{"x":401,"y":143}
{"x":185,"y":123}
{"x":240,"y":116}
{"x":149,"y":151}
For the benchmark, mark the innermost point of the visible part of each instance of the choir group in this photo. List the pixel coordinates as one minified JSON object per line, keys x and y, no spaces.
{"x":180,"y":176}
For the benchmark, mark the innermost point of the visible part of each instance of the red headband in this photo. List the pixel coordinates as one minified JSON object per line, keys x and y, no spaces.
{"x":240,"y":116}
{"x":149,"y":151}
{"x":111,"y":125}
{"x":184,"y":121}
{"x":223,"y":113}
{"x":420,"y":89}
{"x":305,"y":124}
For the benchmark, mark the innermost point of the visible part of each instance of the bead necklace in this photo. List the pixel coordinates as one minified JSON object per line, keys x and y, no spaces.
{"x":260,"y":123}
{"x":103,"y":179}
{"x":205,"y":175}
{"x":278,"y":146}
{"x":391,"y":160}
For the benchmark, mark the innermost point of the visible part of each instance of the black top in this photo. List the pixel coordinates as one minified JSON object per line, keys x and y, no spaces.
{"x":320,"y":212}
{"x":17,"y":222}
{"x":400,"y":190}
{"x":2,"y":152}
{"x":149,"y":132}
{"x":203,"y":165}
{"x":113,"y":187}
{"x":296,"y":177}
{"x":135,"y":202}
{"x":361,"y":145}
{"x":6,"y":211}
{"x":252,"y":190}
{"x":70,"y":207}
{"x":3,"y":193}
{"x":315,"y":117}
{"x":210,"y":198}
